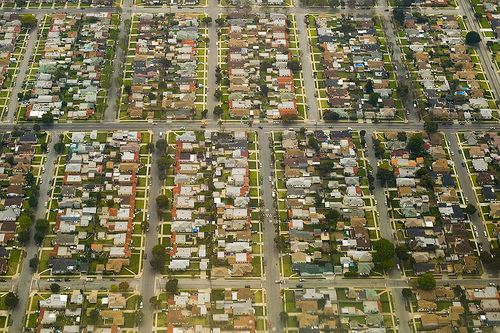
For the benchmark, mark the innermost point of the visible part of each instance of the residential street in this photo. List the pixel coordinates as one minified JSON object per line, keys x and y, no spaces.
{"x":148,"y":282}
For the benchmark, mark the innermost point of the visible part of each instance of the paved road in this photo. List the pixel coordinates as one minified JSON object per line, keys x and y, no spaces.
{"x":22,"y":284}
{"x":483,"y":51}
{"x":271,"y":254}
{"x":397,"y":59}
{"x":212,"y":62}
{"x":307,"y":70}
{"x":468,"y":192}
{"x":114,"y":93}
{"x":20,"y":77}
{"x":290,"y":283}
{"x":148,"y":274}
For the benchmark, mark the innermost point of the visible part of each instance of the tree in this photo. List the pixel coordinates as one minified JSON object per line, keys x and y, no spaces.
{"x":58,"y":74}
{"x":284,"y":317}
{"x":11,"y":300}
{"x":162,"y":201}
{"x":288,"y":117}
{"x":206,"y":20}
{"x":399,"y":15}
{"x":470,"y":209}
{"x":59,"y":147}
{"x":384,"y":250}
{"x":36,"y":128}
{"x":218,"y":94}
{"x":407,"y":293}
{"x":431,"y":126}
{"x":385,"y":176}
{"x":218,"y":110}
{"x":123,"y":286}
{"x":427,"y":182}
{"x":25,"y":222}
{"x":402,"y":136}
{"x":472,"y":38}
{"x":28,"y":21}
{"x":485,"y":257}
{"x":48,"y":118}
{"x":457,"y":289}
{"x":138,"y":315}
{"x":416,"y":145}
{"x":55,"y":288}
{"x":402,"y":253}
{"x":39,"y":237}
{"x":220,"y":21}
{"x":33,"y":262}
{"x":43,"y":146}
{"x":159,"y":258}
{"x":163,"y":163}
{"x":373,"y":99}
{"x":23,"y":236}
{"x":362,"y":133}
{"x":420,"y":172}
{"x":279,"y":241}
{"x":402,"y":89}
{"x":264,"y":90}
{"x":158,"y":264}
{"x":426,"y":281}
{"x":387,"y":264}
{"x":330,"y":115}
{"x":369,"y":87}
{"x":94,"y":315}
{"x":313,"y":143}
{"x":151,"y":147}
{"x":294,"y":65}
{"x":159,"y":250}
{"x":172,"y":286}
{"x":110,"y":203}
{"x":155,"y":302}
{"x":161,"y":145}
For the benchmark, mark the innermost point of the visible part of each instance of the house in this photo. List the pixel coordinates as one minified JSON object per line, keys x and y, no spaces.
{"x":62,"y":265}
{"x":480,"y":165}
{"x":494,"y":210}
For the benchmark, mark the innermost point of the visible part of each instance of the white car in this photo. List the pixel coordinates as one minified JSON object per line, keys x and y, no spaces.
{"x":67,"y":288}
{"x":147,"y":217}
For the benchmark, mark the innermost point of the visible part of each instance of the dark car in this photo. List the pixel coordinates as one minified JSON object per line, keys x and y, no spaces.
{"x":298,"y":285}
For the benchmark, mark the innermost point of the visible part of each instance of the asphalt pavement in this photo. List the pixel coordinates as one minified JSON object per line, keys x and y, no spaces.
{"x":271,"y":254}
{"x":114,"y":93}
